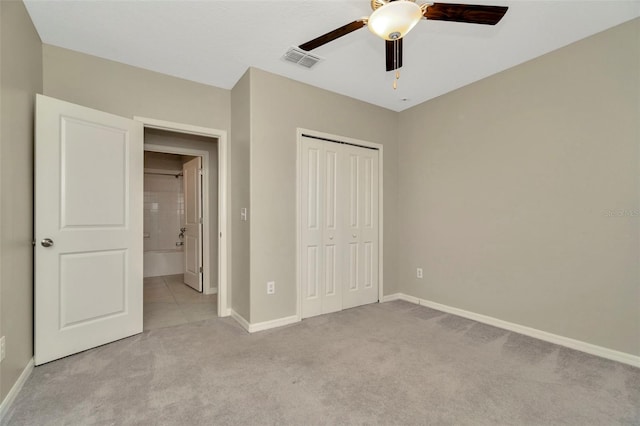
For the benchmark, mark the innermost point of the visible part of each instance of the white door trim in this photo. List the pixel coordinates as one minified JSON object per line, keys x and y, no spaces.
{"x":223,"y":179}
{"x":300,"y":132}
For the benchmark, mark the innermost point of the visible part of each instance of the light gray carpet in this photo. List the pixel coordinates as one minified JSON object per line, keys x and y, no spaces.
{"x":391,"y":363}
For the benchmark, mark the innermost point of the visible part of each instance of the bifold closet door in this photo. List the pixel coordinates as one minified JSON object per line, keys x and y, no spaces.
{"x":339,"y":219}
{"x":321,"y":234}
{"x":360,"y":226}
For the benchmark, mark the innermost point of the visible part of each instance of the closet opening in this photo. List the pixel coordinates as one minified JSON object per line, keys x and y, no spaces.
{"x":339,"y":219}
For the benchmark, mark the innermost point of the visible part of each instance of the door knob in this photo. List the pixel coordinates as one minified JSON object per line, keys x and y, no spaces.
{"x":353,"y":235}
{"x":331,"y":237}
{"x":47,"y":242}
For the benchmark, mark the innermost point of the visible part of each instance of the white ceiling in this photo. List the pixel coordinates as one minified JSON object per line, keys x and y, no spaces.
{"x":215,"y":41}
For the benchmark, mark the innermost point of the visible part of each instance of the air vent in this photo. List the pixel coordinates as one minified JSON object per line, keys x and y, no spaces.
{"x":301,"y":57}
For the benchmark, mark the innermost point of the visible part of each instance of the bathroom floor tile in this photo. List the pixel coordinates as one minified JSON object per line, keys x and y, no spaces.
{"x":154,"y":282}
{"x":174,"y":279}
{"x":169,"y":302}
{"x":199,"y":311}
{"x":157,"y":294}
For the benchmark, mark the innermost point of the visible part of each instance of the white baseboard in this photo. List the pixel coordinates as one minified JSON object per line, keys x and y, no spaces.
{"x":266,"y":325}
{"x":400,"y":296}
{"x":568,"y":342}
{"x":240,"y":319}
{"x":390,"y":297}
{"x":15,"y":390}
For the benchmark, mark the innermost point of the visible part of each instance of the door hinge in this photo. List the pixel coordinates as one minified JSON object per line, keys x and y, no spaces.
{"x":200,"y":220}
{"x":201,"y":269}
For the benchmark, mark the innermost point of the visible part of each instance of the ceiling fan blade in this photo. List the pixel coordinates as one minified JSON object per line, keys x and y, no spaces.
{"x":393,"y":54}
{"x":469,"y":13}
{"x":332,"y":35}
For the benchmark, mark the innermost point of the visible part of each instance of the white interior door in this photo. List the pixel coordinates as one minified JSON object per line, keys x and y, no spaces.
{"x":339,"y":220}
{"x":88,"y":227}
{"x":192,"y":177}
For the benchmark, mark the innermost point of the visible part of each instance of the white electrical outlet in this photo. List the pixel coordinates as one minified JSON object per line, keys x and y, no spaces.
{"x":2,"y":350}
{"x":271,"y":287}
{"x":419,"y":273}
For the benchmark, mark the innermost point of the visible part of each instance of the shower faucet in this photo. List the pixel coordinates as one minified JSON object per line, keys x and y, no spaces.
{"x":181,"y":237}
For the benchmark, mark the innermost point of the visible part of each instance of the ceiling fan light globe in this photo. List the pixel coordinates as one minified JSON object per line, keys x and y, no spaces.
{"x":395,"y":19}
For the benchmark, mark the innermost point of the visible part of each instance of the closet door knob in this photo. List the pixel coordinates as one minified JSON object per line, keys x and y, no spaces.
{"x":47,"y":242}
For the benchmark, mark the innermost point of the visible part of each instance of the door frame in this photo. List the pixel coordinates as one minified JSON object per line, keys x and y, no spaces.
{"x":223,"y":193}
{"x":300,"y":132}
{"x":204,"y":199}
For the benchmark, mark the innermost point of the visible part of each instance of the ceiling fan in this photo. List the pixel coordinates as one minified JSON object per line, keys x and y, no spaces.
{"x":393,"y":19}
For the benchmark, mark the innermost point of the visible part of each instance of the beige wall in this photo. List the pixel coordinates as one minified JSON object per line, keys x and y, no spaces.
{"x":506,"y":187}
{"x":129,"y":91}
{"x":202,"y":143}
{"x":21,"y":79}
{"x":278,"y":107}
{"x":163,"y":161}
{"x":240,"y":172}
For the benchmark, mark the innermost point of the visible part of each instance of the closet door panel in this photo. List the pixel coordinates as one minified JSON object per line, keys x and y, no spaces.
{"x":362,"y":229}
{"x":369,"y":230}
{"x":332,"y":239}
{"x":312,"y":227}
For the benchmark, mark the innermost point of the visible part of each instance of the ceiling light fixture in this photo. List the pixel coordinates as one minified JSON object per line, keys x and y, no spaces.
{"x":395,"y":19}
{"x":392,"y":21}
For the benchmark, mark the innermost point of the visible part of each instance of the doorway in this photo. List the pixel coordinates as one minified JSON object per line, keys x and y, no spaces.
{"x":164,"y":214}
{"x":211,"y":146}
{"x":180,"y":220}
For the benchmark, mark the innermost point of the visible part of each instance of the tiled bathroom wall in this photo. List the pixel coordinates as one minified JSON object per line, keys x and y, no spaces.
{"x":163,"y":211}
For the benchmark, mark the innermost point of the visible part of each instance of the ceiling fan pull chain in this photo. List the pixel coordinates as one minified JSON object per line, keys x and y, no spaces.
{"x":395,"y":62}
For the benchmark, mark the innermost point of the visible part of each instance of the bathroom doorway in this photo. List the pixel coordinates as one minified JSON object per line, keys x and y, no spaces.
{"x":180,"y":219}
{"x":165,"y":204}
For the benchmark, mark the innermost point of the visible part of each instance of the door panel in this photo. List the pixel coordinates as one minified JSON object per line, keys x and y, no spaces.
{"x":106,"y":155}
{"x":88,"y":201}
{"x":330,"y":270}
{"x":312,"y":188}
{"x":331,"y":232}
{"x":354,"y":189}
{"x":362,"y":229}
{"x":313,"y":273}
{"x":353,"y":267}
{"x":99,"y":297}
{"x":191,"y":172}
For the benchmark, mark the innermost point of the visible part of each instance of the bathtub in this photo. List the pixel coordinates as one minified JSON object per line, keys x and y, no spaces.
{"x":163,"y":262}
